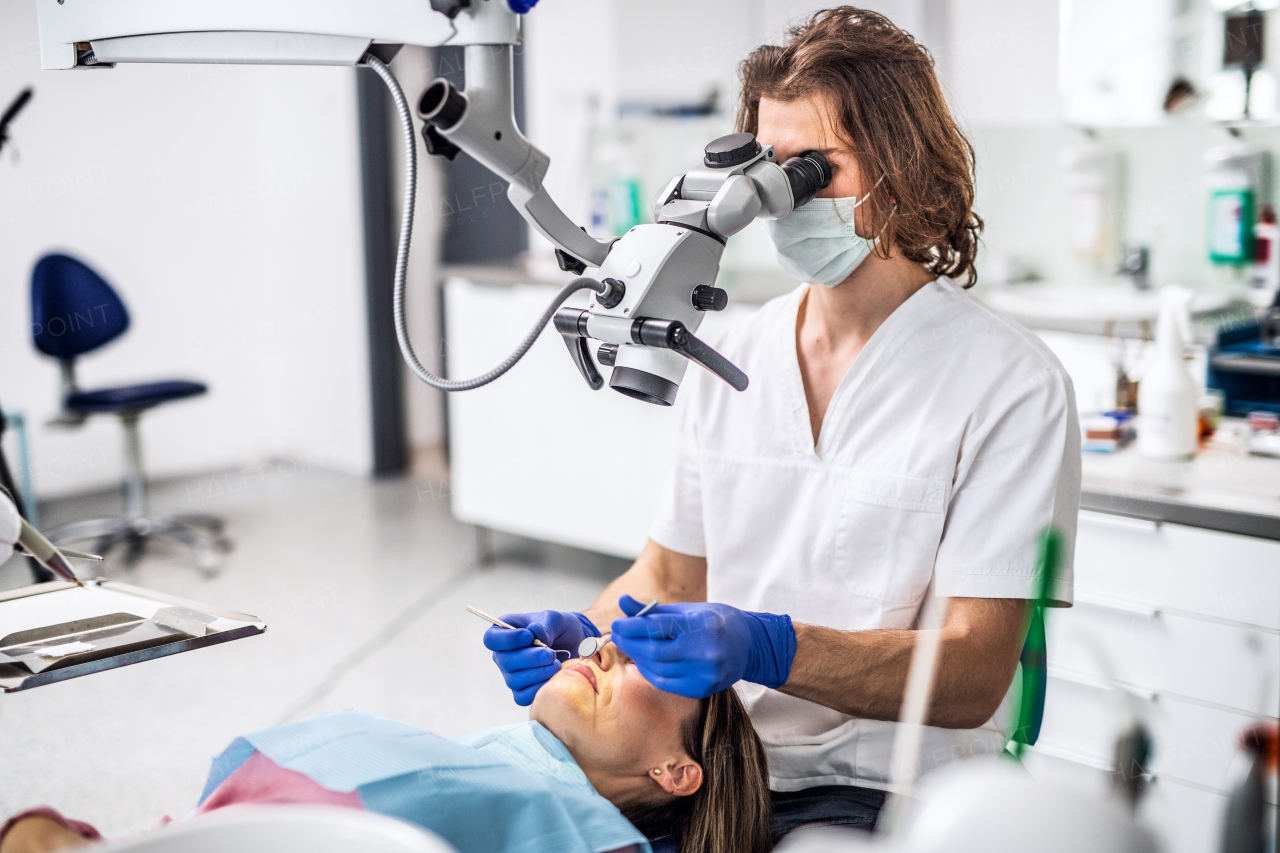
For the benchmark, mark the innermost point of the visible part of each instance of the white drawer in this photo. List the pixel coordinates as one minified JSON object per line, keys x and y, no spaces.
{"x":1221,"y":575}
{"x":1192,"y":743}
{"x":1185,"y":818}
{"x":1165,"y":653}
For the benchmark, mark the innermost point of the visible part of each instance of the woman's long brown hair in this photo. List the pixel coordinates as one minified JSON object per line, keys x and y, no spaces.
{"x":891,"y":111}
{"x":730,"y":812}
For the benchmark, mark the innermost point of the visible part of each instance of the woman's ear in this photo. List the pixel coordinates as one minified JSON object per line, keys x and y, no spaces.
{"x":680,"y":778}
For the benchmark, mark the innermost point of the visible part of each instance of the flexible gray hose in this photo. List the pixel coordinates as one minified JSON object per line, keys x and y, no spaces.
{"x":402,"y":260}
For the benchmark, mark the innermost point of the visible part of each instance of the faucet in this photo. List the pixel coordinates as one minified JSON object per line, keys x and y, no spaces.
{"x":1136,"y":264}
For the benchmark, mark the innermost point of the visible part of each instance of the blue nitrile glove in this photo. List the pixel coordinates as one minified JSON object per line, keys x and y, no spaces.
{"x":521,"y":6}
{"x":698,"y":649}
{"x":526,"y":667}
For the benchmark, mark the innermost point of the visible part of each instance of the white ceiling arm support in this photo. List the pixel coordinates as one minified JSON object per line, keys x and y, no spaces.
{"x":273,"y":32}
{"x":481,"y":121}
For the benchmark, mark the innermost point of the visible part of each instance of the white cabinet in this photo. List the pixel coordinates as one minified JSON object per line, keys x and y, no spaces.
{"x":537,"y":452}
{"x":1187,"y":623}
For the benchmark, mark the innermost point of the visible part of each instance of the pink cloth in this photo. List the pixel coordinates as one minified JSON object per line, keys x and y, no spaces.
{"x":258,"y":780}
{"x":261,"y":780}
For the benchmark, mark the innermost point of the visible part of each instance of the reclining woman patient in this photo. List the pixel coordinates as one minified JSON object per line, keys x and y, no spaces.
{"x":604,"y":757}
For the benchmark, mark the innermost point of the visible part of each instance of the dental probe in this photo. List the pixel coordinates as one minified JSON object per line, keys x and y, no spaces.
{"x":591,"y":645}
{"x":499,"y":623}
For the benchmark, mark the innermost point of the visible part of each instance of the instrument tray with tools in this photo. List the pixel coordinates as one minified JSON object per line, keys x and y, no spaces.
{"x":51,"y":632}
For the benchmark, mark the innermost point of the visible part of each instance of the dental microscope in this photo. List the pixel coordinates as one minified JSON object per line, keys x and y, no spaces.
{"x":650,"y":287}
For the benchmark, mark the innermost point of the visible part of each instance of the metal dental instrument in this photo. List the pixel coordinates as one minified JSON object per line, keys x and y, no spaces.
{"x":499,"y":623}
{"x":16,"y":534}
{"x":591,"y":645}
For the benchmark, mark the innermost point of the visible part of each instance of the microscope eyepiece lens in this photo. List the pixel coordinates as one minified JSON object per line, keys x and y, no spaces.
{"x":808,"y":172}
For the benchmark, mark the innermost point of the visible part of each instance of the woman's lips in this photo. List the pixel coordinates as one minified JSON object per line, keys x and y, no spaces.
{"x":585,"y":671}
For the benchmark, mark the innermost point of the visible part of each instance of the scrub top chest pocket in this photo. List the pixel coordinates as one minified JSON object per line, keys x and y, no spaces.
{"x":887,"y":538}
{"x":828,"y":544}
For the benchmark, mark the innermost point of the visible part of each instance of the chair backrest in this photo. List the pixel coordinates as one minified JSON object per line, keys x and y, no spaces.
{"x":281,"y":829}
{"x":73,"y":309}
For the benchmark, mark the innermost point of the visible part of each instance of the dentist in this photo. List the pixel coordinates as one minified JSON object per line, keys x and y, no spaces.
{"x":896,"y":435}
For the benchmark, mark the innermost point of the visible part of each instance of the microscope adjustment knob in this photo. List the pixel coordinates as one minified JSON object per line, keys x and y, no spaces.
{"x":437,"y":145}
{"x":569,"y":263}
{"x":450,"y":8}
{"x":708,"y":298}
{"x":729,"y":151}
{"x":607,"y":354}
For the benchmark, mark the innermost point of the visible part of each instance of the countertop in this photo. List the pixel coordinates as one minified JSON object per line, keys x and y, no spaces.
{"x":1224,"y":488}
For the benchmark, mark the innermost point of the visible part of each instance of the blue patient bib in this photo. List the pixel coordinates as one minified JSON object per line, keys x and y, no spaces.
{"x":514,"y":789}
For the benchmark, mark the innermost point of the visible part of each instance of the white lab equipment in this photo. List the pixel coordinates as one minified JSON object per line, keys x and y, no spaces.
{"x":271,"y":829}
{"x":654,"y":282}
{"x":1168,"y":399}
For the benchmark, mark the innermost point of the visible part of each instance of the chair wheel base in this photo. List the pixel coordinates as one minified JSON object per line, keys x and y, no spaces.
{"x":202,"y":534}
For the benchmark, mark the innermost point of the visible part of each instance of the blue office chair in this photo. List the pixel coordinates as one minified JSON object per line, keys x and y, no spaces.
{"x":75,"y":311}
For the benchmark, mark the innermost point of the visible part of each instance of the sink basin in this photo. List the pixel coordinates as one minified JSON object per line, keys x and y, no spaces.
{"x":1088,"y":303}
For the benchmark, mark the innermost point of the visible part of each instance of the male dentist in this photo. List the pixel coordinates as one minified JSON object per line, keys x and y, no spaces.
{"x":897,"y":436}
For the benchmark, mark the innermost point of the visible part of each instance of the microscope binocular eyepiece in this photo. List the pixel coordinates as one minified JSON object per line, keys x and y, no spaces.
{"x":808,"y":172}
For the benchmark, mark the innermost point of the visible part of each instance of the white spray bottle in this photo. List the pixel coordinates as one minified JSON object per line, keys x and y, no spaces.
{"x":1168,"y":414}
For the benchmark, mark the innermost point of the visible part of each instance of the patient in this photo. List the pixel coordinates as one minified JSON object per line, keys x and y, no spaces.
{"x":605,"y":754}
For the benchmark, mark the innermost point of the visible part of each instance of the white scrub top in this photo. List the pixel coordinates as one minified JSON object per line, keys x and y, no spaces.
{"x":950,"y":444}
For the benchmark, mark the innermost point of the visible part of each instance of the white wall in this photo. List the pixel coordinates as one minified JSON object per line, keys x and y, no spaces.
{"x":224,"y":204}
{"x":997,"y":60}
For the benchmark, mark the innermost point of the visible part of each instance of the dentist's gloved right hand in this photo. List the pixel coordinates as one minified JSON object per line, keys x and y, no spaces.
{"x":526,"y":667}
{"x":696,"y":649}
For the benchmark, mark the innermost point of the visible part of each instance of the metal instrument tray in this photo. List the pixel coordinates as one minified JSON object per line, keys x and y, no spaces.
{"x":51,"y":632}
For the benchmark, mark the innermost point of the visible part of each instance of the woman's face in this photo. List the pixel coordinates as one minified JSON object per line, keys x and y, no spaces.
{"x":618,"y":726}
{"x":808,"y":124}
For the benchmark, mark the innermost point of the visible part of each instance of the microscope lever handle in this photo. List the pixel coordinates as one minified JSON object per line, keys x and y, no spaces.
{"x":569,"y":323}
{"x":684,"y":342}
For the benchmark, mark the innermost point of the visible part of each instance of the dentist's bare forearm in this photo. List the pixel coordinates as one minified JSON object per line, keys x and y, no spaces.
{"x":657,"y":573}
{"x":864,"y":673}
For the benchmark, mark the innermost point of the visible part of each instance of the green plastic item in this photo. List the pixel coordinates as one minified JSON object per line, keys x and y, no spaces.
{"x":1034,"y":661}
{"x":1231,"y":221}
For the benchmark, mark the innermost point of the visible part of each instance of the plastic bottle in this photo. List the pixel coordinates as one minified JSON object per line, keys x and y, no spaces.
{"x":1235,"y":176}
{"x":1168,"y":411}
{"x":1265,"y":278}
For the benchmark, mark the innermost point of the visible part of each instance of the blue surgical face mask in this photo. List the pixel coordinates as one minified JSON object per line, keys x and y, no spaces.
{"x":816,"y":243}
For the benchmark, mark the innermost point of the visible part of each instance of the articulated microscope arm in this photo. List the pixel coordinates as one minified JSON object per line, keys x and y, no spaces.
{"x":481,"y":121}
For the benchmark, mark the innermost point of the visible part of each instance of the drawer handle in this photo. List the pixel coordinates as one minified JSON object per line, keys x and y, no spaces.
{"x":1120,"y":522}
{"x":1148,"y":610}
{"x":1073,"y":757}
{"x":1070,"y":755}
{"x":1102,"y":684}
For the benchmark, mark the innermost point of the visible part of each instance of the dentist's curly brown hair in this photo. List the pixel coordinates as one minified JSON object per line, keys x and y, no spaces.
{"x":890,"y":109}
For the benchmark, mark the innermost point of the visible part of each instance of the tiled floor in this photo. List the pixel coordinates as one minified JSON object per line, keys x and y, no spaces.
{"x":363,"y":586}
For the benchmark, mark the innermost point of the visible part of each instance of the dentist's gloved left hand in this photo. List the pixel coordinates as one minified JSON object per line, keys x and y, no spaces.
{"x":526,"y":667}
{"x":697,"y":649}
